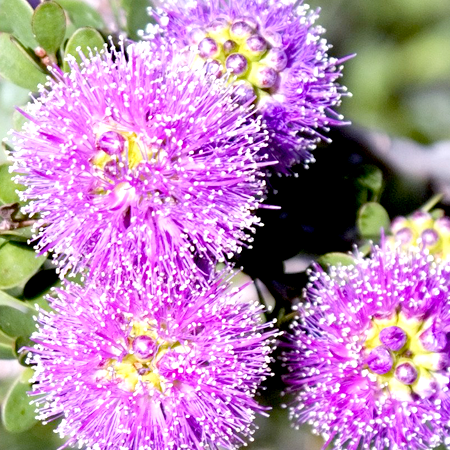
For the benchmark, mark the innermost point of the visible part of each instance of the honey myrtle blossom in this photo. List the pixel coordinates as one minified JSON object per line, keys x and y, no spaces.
{"x":423,"y":229}
{"x":154,"y":369}
{"x":276,"y":53}
{"x":368,"y":357}
{"x":134,"y":158}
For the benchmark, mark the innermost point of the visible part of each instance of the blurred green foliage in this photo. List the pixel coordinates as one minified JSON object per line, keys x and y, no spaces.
{"x":400,"y":78}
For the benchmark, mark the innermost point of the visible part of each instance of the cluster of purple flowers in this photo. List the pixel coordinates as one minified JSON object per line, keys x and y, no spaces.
{"x":276,"y":54}
{"x":143,"y":168}
{"x":369,"y":356}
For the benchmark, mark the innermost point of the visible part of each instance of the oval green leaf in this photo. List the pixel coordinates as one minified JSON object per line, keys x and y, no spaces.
{"x":18,"y":264}
{"x":6,"y":352}
{"x":81,"y":14}
{"x":17,"y":66}
{"x":17,"y":322}
{"x":372,"y":218}
{"x":83,"y":39}
{"x":17,"y":413}
{"x":18,"y":235}
{"x":49,"y":26}
{"x":336,"y":259}
{"x":22,"y":354}
{"x":8,"y":188}
{"x":15,"y":18}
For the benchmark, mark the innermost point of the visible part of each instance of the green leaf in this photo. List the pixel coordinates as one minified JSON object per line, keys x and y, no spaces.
{"x":21,"y":342}
{"x":83,"y":39}
{"x":17,"y":413}
{"x":371,"y":178}
{"x":8,"y":187}
{"x":18,"y":264}
{"x":137,"y":16}
{"x":6,"y":352}
{"x":15,"y":18}
{"x":372,"y":217}
{"x":17,"y":322}
{"x":17,"y":66}
{"x":336,"y":259}
{"x":81,"y":14}
{"x":49,"y":26}
{"x":18,"y":120}
{"x":18,"y":235}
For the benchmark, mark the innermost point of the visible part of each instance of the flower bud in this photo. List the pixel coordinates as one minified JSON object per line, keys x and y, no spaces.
{"x":111,"y":142}
{"x":243,"y":92}
{"x":255,"y":46}
{"x":240,"y":31}
{"x":404,"y":235}
{"x":229,"y":46}
{"x":236,"y":64}
{"x":398,"y":223}
{"x":426,"y":385}
{"x":262,"y":76}
{"x":273,"y":38}
{"x":217,"y":26}
{"x":432,"y":361}
{"x":433,"y":340}
{"x":443,"y":225}
{"x":429,"y":237}
{"x":214,"y":68}
{"x":196,"y":35}
{"x":380,"y":360}
{"x":393,"y":338}
{"x":276,"y":58}
{"x":208,"y":48}
{"x":144,"y":347}
{"x":406,"y":373}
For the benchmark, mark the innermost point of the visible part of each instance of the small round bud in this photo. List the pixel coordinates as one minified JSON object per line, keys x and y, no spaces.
{"x":214,"y":68}
{"x":433,"y":340}
{"x":380,"y":360}
{"x":249,"y":20}
{"x":393,"y":338}
{"x":398,"y":223}
{"x":40,"y":52}
{"x":208,"y":48}
{"x":111,"y":169}
{"x":111,"y":143}
{"x":144,"y":347}
{"x":196,"y":35}
{"x":217,"y":26}
{"x":46,"y":60}
{"x":443,"y":225}
{"x":404,"y":235}
{"x":264,"y":77}
{"x":406,"y":373}
{"x":256,"y":44}
{"x":229,"y":46}
{"x":243,"y":92}
{"x":273,"y":38}
{"x":236,"y":64}
{"x":277,"y":59}
{"x":429,"y":237}
{"x":422,"y":218}
{"x":240,"y":30}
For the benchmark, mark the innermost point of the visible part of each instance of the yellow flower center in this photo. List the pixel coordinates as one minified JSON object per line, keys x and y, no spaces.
{"x":140,"y":367}
{"x":416,"y":363}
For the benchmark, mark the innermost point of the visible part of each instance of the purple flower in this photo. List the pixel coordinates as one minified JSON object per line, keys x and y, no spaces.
{"x":368,"y":358}
{"x":276,"y":51}
{"x":134,"y":158}
{"x":160,"y":369}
